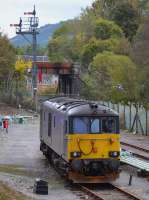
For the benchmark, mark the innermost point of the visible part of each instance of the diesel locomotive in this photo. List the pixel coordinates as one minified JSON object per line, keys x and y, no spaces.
{"x":81,"y":138}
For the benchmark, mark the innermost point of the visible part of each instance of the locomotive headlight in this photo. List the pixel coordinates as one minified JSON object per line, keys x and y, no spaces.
{"x":114,"y":154}
{"x":75,"y":154}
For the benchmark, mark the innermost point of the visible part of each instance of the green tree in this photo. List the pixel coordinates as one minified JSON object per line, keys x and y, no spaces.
{"x":140,"y":46}
{"x":66,"y":43}
{"x":107,"y":34}
{"x":104,"y":7}
{"x":7,"y":58}
{"x":54,"y":50}
{"x":27,"y":50}
{"x":95,"y":46}
{"x":89,"y":89}
{"x":63,"y":30}
{"x":105,"y":29}
{"x":62,"y":49}
{"x":7,"y":65}
{"x":124,"y":47}
{"x":101,"y":38}
{"x":127,"y":17}
{"x":115,"y":75}
{"x":140,"y":55}
{"x":144,"y":7}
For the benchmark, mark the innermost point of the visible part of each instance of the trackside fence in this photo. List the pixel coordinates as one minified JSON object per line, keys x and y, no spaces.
{"x":134,"y":119}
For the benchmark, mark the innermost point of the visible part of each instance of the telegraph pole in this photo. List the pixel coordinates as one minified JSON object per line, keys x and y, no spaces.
{"x":29,"y":26}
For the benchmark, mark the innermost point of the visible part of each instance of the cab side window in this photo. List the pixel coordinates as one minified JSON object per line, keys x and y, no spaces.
{"x":44,"y":115}
{"x":49,"y":124}
{"x":54,"y":122}
{"x":65,"y":127}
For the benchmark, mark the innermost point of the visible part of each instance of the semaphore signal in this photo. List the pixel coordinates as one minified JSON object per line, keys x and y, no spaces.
{"x":29,"y":26}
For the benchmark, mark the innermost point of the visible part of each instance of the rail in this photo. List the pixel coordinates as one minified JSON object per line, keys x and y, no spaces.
{"x":135,"y":147}
{"x":109,"y":191}
{"x":136,"y":151}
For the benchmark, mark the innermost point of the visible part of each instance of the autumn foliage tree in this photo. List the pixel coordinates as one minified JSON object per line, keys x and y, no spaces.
{"x":21,"y":67}
{"x":7,"y":63}
{"x":7,"y":58}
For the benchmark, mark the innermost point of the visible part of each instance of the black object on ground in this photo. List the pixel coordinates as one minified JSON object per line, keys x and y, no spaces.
{"x":40,"y":187}
{"x":130,"y":179}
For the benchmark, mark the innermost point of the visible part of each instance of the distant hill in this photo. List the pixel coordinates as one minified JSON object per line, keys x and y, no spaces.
{"x":46,"y":33}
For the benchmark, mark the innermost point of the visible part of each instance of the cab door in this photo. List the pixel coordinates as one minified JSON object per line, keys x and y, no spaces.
{"x":65,"y":138}
{"x":49,"y":128}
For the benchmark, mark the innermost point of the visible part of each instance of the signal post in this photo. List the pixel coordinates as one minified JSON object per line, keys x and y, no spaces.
{"x":29,"y":26}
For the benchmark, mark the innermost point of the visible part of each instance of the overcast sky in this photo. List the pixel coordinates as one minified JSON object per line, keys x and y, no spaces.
{"x":49,"y":11}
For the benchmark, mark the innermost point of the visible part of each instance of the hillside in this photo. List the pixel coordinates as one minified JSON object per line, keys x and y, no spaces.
{"x":46,"y":32}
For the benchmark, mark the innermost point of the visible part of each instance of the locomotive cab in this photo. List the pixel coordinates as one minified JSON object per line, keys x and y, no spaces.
{"x":94,"y":144}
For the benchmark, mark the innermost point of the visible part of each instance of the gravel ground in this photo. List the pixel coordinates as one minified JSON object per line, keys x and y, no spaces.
{"x":24,"y":184}
{"x":139,"y":187}
{"x":21,"y":163}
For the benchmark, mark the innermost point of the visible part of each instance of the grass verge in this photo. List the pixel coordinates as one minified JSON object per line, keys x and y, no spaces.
{"x":7,"y":193}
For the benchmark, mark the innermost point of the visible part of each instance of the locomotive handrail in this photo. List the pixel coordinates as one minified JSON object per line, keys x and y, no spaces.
{"x":95,"y":139}
{"x":86,"y":139}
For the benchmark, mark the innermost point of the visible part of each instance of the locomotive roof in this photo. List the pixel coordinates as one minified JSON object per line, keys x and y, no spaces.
{"x":78,"y":107}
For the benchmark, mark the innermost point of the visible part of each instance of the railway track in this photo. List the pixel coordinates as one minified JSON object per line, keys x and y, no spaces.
{"x":135,"y":147}
{"x":108,"y":192}
{"x":136,"y":150}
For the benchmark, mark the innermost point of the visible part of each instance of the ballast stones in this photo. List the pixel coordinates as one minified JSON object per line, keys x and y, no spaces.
{"x":40,"y":187}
